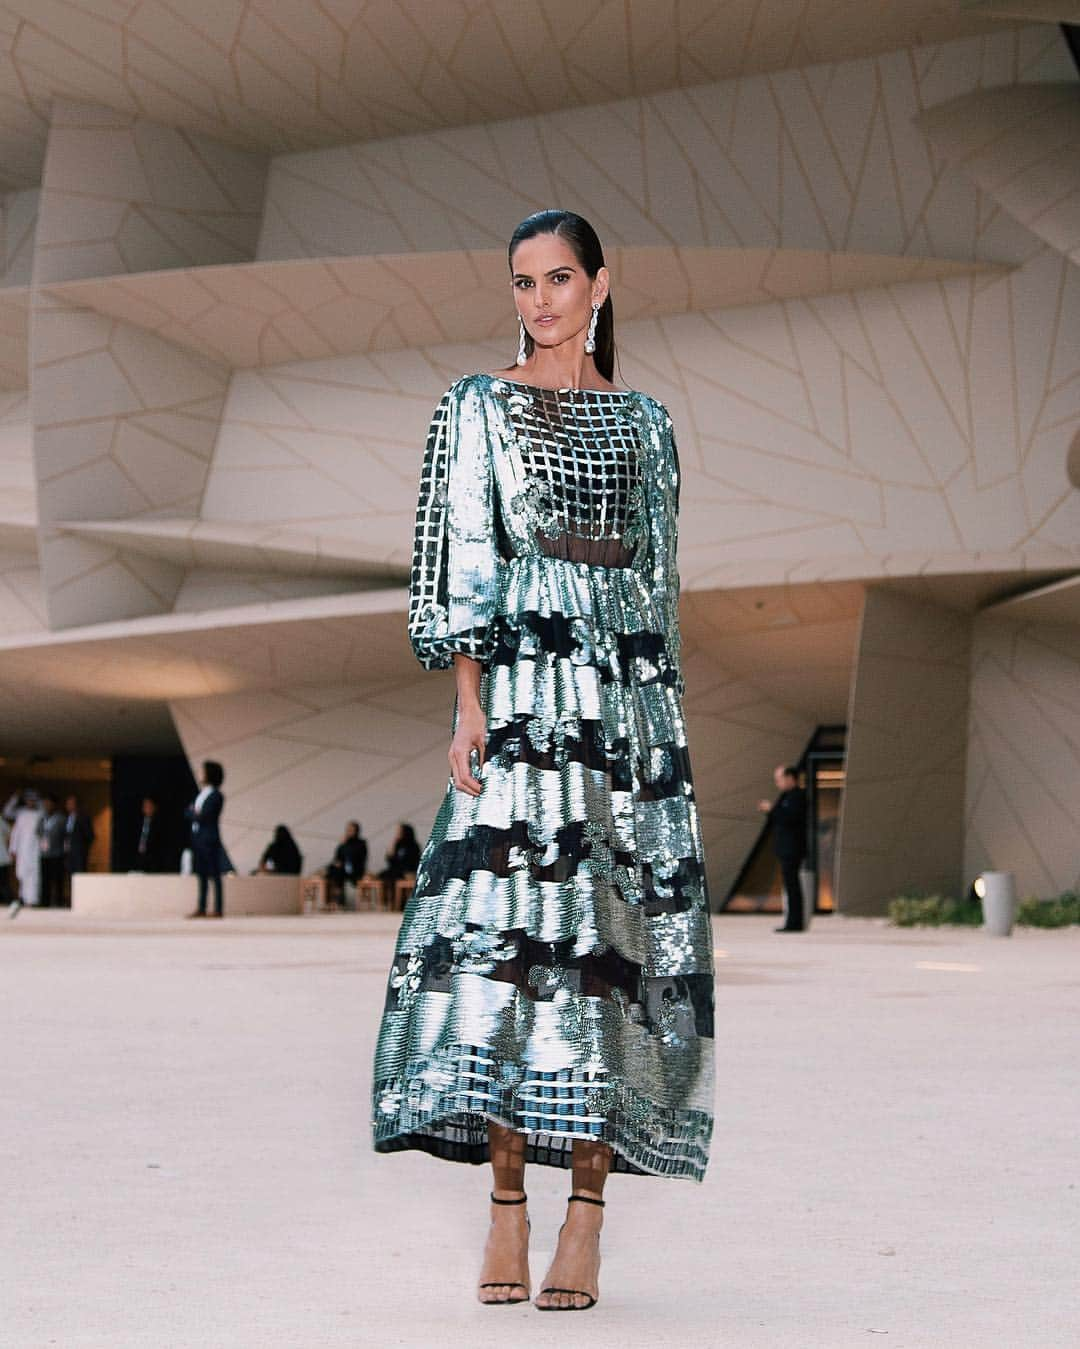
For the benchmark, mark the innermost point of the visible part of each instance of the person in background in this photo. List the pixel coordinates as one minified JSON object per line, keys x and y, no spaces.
{"x":206,"y":846}
{"x":282,"y":857}
{"x":787,"y":815}
{"x":403,"y":857}
{"x":6,"y":894}
{"x":25,"y":813}
{"x":150,"y":848}
{"x":78,"y":840}
{"x":51,"y":838}
{"x":350,"y":858}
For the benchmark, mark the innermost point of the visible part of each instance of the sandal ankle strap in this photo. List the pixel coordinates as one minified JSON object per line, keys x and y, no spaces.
{"x":523,"y":1200}
{"x":584,"y":1199}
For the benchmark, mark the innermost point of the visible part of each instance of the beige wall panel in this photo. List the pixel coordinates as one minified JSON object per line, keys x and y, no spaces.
{"x":123,"y":194}
{"x":17,"y":491}
{"x":1023,"y":807}
{"x":845,"y":168}
{"x":923,"y":420}
{"x":313,"y":759}
{"x":902,"y":819}
{"x":1019,"y":145}
{"x":124,"y":425}
{"x":21,"y":608}
{"x":205,"y":588}
{"x":19,"y":211}
{"x":278,"y":74}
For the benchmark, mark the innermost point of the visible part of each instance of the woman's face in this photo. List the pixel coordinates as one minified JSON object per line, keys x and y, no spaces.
{"x":553,"y":292}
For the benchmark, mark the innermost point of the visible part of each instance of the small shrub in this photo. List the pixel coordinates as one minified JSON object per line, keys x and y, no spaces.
{"x":934,"y":910}
{"x":1062,"y":911}
{"x":937,"y":910}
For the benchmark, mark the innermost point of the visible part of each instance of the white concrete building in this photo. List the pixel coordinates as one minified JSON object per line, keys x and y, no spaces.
{"x":246,"y":245}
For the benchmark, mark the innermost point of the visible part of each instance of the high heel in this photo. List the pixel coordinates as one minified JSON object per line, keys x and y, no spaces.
{"x":509,"y":1283}
{"x":573,"y":1292}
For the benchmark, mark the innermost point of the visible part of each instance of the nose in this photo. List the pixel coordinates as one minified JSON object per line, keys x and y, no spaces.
{"x":541,"y":300}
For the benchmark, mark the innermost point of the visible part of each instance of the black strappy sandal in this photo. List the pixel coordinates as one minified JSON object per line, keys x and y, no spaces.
{"x":508,"y":1283}
{"x":574,"y":1292}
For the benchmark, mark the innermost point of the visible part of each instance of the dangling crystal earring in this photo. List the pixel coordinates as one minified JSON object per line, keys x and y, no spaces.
{"x":521,"y":357}
{"x":590,"y":340}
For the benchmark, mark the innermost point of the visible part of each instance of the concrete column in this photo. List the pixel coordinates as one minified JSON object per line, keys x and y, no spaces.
{"x":901,"y":826}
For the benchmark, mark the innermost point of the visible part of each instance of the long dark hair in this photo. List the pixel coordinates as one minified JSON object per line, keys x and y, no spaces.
{"x":582,"y":238}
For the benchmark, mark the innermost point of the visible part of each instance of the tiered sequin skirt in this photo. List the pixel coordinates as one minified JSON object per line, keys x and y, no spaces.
{"x":553,"y":972}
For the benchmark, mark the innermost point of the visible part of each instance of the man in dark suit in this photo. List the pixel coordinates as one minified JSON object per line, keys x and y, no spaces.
{"x":787,"y":816}
{"x":150,"y":846}
{"x":206,"y":846}
{"x":51,"y":838}
{"x":78,"y":839}
{"x":350,"y":858}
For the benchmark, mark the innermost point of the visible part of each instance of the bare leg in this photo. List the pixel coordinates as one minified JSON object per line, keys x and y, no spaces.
{"x":504,"y":1275}
{"x":576,"y":1264}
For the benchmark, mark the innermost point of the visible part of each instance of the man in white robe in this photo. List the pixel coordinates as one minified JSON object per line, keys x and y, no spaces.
{"x":26,"y":846}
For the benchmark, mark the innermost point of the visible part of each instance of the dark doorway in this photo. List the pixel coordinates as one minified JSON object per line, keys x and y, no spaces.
{"x":758,"y":887}
{"x":168,"y":780}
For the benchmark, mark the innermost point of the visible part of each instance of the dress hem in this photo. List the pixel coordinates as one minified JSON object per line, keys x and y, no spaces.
{"x":556,"y":1152}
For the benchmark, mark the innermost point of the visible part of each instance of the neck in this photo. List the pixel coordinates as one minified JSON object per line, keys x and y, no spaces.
{"x":563,"y":367}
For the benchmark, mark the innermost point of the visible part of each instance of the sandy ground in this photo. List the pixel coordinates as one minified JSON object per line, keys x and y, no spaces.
{"x":186,"y":1159}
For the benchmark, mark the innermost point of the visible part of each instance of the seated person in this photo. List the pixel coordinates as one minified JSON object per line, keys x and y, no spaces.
{"x":402,"y":859}
{"x":282,"y":857}
{"x":350,"y":858}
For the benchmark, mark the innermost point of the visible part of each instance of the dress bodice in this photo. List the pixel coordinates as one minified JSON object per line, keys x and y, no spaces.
{"x":572,"y":479}
{"x":516,"y":475}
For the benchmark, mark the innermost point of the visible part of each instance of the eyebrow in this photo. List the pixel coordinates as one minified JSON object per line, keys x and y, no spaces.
{"x":568,"y":267}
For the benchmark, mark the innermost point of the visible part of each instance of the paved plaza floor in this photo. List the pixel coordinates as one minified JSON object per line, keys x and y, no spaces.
{"x":185,"y":1157}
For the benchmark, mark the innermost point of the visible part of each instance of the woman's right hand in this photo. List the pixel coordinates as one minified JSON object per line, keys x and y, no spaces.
{"x":471,"y":734}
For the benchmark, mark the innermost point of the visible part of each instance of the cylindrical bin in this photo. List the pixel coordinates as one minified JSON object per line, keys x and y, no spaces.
{"x":997,"y":890}
{"x":808,"y":886}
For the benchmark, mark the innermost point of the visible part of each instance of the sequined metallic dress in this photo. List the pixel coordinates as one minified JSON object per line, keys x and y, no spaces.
{"x":553,"y":971}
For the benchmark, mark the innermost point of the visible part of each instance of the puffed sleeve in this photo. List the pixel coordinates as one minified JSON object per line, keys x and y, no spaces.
{"x":455,"y":555}
{"x":663,"y":497}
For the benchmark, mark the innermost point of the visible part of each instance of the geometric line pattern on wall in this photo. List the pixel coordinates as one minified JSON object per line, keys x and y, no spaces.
{"x":901,"y":826}
{"x":18,"y":218}
{"x":939,"y":415}
{"x":911,"y":428}
{"x":124,"y":424}
{"x":284,"y":74}
{"x":235,"y":547}
{"x":1031,"y":11}
{"x":14,"y":337}
{"x":124,"y":194}
{"x":316,"y":756}
{"x":18,"y":508}
{"x":267,"y":313}
{"x":827,"y":158}
{"x":1023,"y":809}
{"x":1019,"y":145}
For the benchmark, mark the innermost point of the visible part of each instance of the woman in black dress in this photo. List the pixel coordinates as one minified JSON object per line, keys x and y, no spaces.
{"x":281,"y":856}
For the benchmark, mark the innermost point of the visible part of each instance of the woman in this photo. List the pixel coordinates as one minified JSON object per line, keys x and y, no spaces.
{"x":207,"y":849}
{"x":403,"y":857}
{"x":551,"y":996}
{"x":281,"y":856}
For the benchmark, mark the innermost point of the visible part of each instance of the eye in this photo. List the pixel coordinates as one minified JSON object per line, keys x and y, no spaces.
{"x":522,"y":283}
{"x":560,"y":277}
